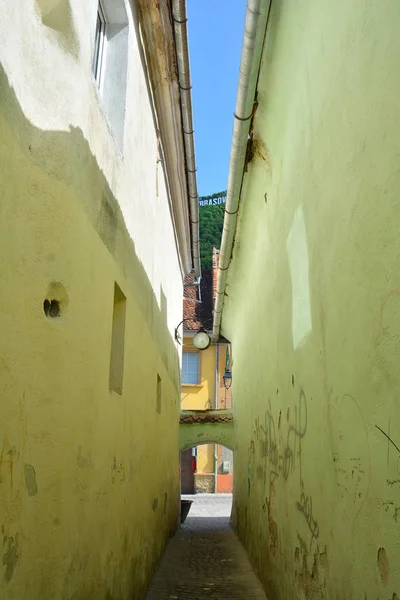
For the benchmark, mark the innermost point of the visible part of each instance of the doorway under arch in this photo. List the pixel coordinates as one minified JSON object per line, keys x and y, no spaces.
{"x":206,"y":468}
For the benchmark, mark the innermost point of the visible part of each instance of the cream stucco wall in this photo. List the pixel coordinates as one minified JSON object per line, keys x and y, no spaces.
{"x":313,"y":304}
{"x":89,"y":482}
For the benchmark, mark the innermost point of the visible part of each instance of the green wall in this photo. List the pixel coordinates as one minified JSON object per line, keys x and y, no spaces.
{"x":313,"y":306}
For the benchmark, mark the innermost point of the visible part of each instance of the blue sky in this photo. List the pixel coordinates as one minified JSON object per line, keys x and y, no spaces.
{"x":215,"y":30}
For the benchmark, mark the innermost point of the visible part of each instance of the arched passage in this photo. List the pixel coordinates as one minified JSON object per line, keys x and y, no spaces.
{"x":214,"y":431}
{"x":194,"y":435}
{"x":206,"y":427}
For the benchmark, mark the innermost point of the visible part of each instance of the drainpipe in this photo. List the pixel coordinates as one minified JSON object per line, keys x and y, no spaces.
{"x":257,"y":13}
{"x":182,"y":51}
{"x":216,"y":408}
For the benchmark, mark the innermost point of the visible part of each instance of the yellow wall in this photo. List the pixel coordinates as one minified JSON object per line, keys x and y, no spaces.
{"x":205,"y":458}
{"x":88,"y":478}
{"x":224,"y":395}
{"x":313,"y":306}
{"x":201,"y":396}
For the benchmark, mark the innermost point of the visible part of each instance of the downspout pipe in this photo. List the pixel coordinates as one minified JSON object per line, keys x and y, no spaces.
{"x":182,"y":49}
{"x":257,"y":12}
{"x":216,"y":408}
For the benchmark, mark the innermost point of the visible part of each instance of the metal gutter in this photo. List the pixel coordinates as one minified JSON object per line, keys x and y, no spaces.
{"x":155,"y":34}
{"x":216,"y":408}
{"x":182,"y":51}
{"x":257,"y":12}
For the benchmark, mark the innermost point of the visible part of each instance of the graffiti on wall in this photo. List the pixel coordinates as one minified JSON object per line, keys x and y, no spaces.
{"x":281,"y":460}
{"x":8,"y":456}
{"x":305,"y":506}
{"x":276,"y":461}
{"x":392,"y":504}
{"x":351,"y":458}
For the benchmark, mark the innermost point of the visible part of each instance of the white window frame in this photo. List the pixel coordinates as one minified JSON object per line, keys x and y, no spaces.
{"x":99,"y":44}
{"x":197,"y":354}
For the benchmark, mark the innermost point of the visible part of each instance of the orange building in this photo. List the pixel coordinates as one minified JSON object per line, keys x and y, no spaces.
{"x":206,"y":467}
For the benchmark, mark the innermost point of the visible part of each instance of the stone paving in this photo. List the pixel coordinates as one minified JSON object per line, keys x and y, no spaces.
{"x":205,"y":558}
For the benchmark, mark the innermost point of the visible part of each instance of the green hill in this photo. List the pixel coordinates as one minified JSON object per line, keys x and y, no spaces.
{"x":211,"y":221}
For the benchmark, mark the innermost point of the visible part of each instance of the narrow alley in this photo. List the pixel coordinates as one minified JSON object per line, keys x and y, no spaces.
{"x":200,"y":298}
{"x":205,"y":559}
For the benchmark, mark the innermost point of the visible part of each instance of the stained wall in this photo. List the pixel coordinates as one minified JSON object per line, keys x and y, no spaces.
{"x":89,"y":484}
{"x":312,"y":306}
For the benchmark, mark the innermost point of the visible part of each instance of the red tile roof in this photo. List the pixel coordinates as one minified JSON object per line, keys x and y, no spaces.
{"x":205,"y":417}
{"x":190,"y":295}
{"x":200,"y":313}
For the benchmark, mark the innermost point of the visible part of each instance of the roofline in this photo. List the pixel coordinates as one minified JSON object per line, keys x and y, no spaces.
{"x":157,"y":35}
{"x":179,"y":17}
{"x":256,"y":23}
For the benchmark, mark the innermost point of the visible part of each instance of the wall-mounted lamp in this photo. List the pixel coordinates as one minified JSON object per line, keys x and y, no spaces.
{"x":201,"y":340}
{"x":227,"y":379}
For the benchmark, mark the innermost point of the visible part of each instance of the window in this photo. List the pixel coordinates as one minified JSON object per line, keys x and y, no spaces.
{"x":117,"y":341}
{"x":99,"y":43}
{"x":110,"y":64}
{"x":158,"y":406}
{"x":190,"y":367}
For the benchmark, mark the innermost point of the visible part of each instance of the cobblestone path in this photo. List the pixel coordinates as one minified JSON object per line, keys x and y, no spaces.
{"x":205,"y":558}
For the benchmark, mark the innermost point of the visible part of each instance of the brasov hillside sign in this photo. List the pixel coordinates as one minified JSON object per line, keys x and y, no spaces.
{"x":213,"y":200}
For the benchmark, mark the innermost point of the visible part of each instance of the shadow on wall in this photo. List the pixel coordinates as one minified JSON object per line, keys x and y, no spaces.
{"x":57,"y":15}
{"x":66,"y":157}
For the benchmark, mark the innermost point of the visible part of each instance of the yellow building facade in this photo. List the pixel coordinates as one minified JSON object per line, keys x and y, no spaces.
{"x":211,"y":474}
{"x":203,"y":387}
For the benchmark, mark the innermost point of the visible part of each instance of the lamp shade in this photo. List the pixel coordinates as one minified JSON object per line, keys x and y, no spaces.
{"x":201,"y":340}
{"x":227,"y":379}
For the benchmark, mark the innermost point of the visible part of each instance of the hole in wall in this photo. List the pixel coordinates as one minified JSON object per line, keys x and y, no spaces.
{"x":51,"y":308}
{"x":116,"y":378}
{"x":158,"y":406}
{"x":56,"y":300}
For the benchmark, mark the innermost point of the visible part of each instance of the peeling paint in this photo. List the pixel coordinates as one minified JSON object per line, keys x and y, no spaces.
{"x":383,"y":565}
{"x":260,"y":150}
{"x":311,"y":583}
{"x":30,"y":479}
{"x":10,"y":557}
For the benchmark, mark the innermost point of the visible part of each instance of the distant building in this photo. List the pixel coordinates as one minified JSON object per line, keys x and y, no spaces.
{"x":206,"y":467}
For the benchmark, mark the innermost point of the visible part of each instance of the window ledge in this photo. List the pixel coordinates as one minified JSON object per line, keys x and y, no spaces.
{"x":192,"y":385}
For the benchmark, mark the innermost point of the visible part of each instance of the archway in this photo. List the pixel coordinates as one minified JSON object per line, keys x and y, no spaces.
{"x":206,"y":468}
{"x":206,"y":427}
